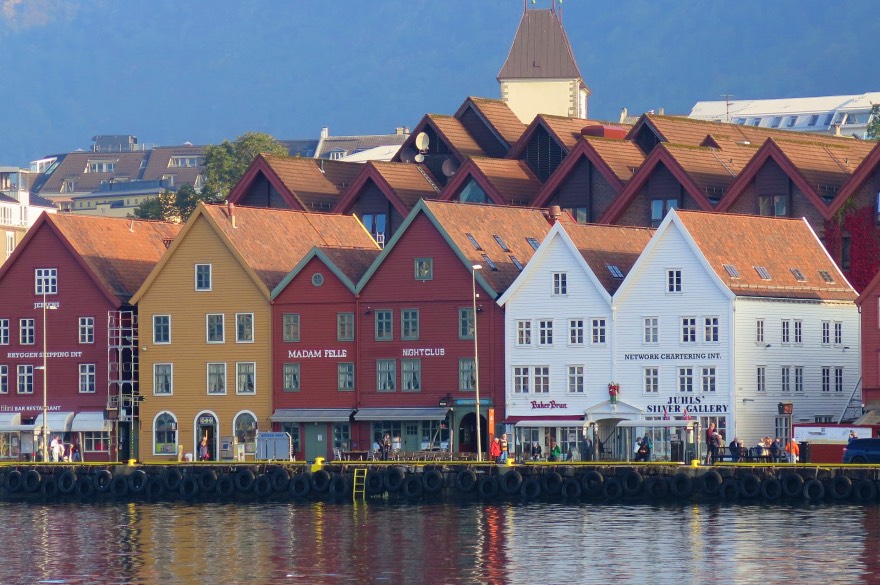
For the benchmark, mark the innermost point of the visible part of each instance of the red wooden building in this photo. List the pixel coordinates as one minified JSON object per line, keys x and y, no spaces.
{"x":72,"y":277}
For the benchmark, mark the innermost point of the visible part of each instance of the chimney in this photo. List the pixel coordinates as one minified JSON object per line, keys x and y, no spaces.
{"x":553,"y":213}
{"x":230,"y":208}
{"x":661,"y":112}
{"x":325,"y":132}
{"x":623,"y":114}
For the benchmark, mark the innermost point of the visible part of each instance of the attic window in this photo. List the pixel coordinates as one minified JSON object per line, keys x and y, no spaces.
{"x":732,"y":272}
{"x":798,"y":275}
{"x":501,"y":243}
{"x":813,"y":120}
{"x":614,"y":270}
{"x":762,"y":272}
{"x":516,"y":263}
{"x":826,"y":276}
{"x":474,"y":242}
{"x":533,"y":243}
{"x":490,"y":263}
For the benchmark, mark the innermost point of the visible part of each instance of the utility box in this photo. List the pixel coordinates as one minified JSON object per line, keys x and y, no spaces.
{"x":227,"y":448}
{"x":274,"y":446}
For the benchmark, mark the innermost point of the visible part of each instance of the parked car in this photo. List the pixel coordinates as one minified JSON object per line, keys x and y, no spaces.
{"x":862,"y":451}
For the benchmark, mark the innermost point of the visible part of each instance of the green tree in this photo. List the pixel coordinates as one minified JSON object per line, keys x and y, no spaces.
{"x":174,"y":206}
{"x":159,"y":207}
{"x":225,"y":163}
{"x":874,"y":125}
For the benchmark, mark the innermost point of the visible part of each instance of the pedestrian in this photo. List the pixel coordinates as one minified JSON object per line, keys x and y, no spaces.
{"x":386,"y":447}
{"x":852,"y":436}
{"x":709,"y":432}
{"x":555,"y":451}
{"x":204,"y":455}
{"x":734,"y":450}
{"x":793,"y":450}
{"x":495,"y":450}
{"x":57,"y":449}
{"x":587,"y":449}
{"x":75,"y":453}
{"x":505,"y":448}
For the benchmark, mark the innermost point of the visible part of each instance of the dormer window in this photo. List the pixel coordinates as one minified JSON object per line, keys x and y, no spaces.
{"x":762,"y":272}
{"x":473,"y":241}
{"x":731,"y":270}
{"x":798,"y":275}
{"x":614,"y":270}
{"x":826,"y":276}
{"x":101,"y":166}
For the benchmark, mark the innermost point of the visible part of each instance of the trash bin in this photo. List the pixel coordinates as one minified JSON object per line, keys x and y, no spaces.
{"x":676,"y":451}
{"x":804,"y":456}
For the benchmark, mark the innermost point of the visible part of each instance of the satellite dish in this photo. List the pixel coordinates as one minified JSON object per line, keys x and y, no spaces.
{"x":419,"y":158}
{"x":422,"y":141}
{"x":449,"y":167}
{"x":407,"y":155}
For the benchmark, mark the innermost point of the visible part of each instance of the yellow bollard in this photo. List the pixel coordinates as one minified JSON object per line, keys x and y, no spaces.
{"x":318,"y":465}
{"x":695,"y":462}
{"x":132,"y":462}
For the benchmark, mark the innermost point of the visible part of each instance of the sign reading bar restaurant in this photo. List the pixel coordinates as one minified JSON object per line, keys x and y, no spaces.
{"x":13,"y":408}
{"x":317,"y":353}
{"x":671,"y":356}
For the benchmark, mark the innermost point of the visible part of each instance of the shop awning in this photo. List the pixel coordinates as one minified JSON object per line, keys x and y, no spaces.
{"x":297,"y":415}
{"x":10,"y":421}
{"x":568,"y":420}
{"x":431,"y":413}
{"x":90,"y":422}
{"x":58,"y":422}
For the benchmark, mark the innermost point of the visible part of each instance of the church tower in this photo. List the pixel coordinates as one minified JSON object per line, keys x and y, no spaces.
{"x":540,"y":75}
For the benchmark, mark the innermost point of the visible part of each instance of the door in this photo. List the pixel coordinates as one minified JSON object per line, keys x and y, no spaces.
{"x":316,"y":441}
{"x":206,"y":428}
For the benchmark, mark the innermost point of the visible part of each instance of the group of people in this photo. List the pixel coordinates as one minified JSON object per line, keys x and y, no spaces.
{"x":59,"y":453}
{"x":765,"y":447}
{"x":642,"y":449}
{"x":499,"y":449}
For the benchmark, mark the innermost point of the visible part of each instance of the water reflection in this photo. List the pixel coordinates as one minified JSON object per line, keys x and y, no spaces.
{"x":438,"y":543}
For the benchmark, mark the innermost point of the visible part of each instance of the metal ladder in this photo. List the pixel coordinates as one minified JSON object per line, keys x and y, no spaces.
{"x":360,"y":485}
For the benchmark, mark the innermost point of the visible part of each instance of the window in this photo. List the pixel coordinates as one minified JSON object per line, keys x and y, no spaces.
{"x":798,"y":275}
{"x":659,"y":209}
{"x":651,"y":377}
{"x":673,"y":281}
{"x":534,"y":243}
{"x":838,"y":379}
{"x":542,"y":379}
{"x":489,"y":261}
{"x":773,"y":205}
{"x":786,"y":331}
{"x":501,"y":243}
{"x":409,"y":323}
{"x":473,"y":241}
{"x":165,"y":435}
{"x":523,"y":332}
{"x":290,"y":327}
{"x":560,"y":283}
{"x":245,"y":374}
{"x":215,"y":328}
{"x":576,"y":379}
{"x":411,"y":375}
{"x":46,"y":281}
{"x":761,"y":381}
{"x":86,"y":378}
{"x":26,"y":379}
{"x":384,"y":324}
{"x":244,"y":327}
{"x":710,"y":334}
{"x":345,"y":376}
{"x":101,"y":166}
{"x":4,"y":379}
{"x":386,"y":375}
{"x":161,"y":328}
{"x":87,"y":330}
{"x":775,"y":121}
{"x":686,"y":379}
{"x":345,"y":326}
{"x":217,"y":378}
{"x":798,"y":331}
{"x":516,"y":263}
{"x":521,"y":380}
{"x":826,"y":379}
{"x":4,"y":331}
{"x":290,"y":373}
{"x":575,"y":331}
{"x":466,"y":323}
{"x":183,"y":161}
{"x":162,"y":379}
{"x":826,"y":276}
{"x":598,"y":331}
{"x":651,"y":330}
{"x":424,"y":268}
{"x":615,"y":271}
{"x":688,"y":329}
{"x":203,"y":277}
{"x":467,"y":379}
{"x":545,"y":332}
{"x":838,"y":333}
{"x":245,"y":428}
{"x":798,"y":378}
{"x":846,"y":252}
{"x":826,"y":332}
{"x":707,"y":378}
{"x":26,"y":332}
{"x":731,"y":270}
{"x":786,"y":378}
{"x":375,"y":223}
{"x":759,"y":330}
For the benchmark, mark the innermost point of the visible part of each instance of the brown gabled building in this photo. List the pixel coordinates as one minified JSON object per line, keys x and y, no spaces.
{"x":491,"y":180}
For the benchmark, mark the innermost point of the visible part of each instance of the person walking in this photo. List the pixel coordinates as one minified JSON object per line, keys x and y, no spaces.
{"x":204,"y":455}
{"x":793,"y":450}
{"x":505,"y":448}
{"x":495,"y":450}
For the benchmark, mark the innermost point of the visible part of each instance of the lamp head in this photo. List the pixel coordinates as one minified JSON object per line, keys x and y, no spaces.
{"x":477,"y":267}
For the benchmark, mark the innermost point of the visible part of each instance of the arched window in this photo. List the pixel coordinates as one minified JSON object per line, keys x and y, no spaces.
{"x":246,"y":428}
{"x":165,"y":434}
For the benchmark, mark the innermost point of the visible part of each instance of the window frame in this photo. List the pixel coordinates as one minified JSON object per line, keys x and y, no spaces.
{"x":86,"y":330}
{"x":467,"y":376}
{"x":383,"y":324}
{"x":386,"y":368}
{"x":560,"y":284}
{"x":651,"y":380}
{"x":157,"y":328}
{"x":208,"y":331}
{"x":200,"y":272}
{"x":466,"y":322}
{"x":411,"y":375}
{"x":168,"y":376}
{"x":24,"y":383}
{"x":291,"y":328}
{"x":345,"y":326}
{"x":674,"y":281}
{"x":45,"y":278}
{"x":409,"y":324}
{"x":88,"y":378}
{"x":651,"y":330}
{"x":576,"y":378}
{"x":598,"y":331}
{"x":424,"y":269}
{"x":208,"y":378}
{"x":576,"y":332}
{"x":250,"y":328}
{"x":4,"y":332}
{"x":524,"y":332}
{"x":239,"y":375}
{"x":291,"y":377}
{"x":349,"y":375}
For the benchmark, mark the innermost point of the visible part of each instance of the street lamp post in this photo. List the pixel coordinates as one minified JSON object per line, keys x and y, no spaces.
{"x":474,"y":269}
{"x":45,"y":384}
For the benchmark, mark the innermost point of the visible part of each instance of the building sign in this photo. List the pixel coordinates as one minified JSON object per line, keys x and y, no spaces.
{"x":49,"y":305}
{"x":206,"y":420}
{"x":14,"y":408}
{"x":694,"y":405}
{"x":552,"y":404}
{"x":653,"y":357}
{"x":317,"y":353}
{"x":39,"y":354}
{"x":424,"y":352}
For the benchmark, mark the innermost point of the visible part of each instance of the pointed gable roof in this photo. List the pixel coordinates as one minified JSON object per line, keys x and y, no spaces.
{"x":456,"y":221}
{"x":505,"y":181}
{"x":603,"y":246}
{"x":269,"y":242}
{"x":864,"y":172}
{"x":348,"y":264}
{"x":497,"y":115}
{"x":118,"y":253}
{"x":540,"y":49}
{"x":402,"y":183}
{"x":778,"y":245}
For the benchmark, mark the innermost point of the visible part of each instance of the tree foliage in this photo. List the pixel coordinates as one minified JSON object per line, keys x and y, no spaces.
{"x":225,"y":163}
{"x":174,"y":206}
{"x":874,"y":125}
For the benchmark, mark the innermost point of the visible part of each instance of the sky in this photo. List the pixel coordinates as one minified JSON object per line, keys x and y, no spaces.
{"x":172,"y":71}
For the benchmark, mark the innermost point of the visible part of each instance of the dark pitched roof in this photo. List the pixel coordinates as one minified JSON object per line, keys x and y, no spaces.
{"x":540,"y":49}
{"x":74,"y":166}
{"x":352,"y":262}
{"x":160,"y":160}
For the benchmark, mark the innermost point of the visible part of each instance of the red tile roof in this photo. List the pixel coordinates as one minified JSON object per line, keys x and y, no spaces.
{"x":512,"y":180}
{"x":410,"y":182}
{"x":501,"y":117}
{"x":456,"y":135}
{"x":315,"y":183}
{"x":352,"y":262}
{"x":603,"y":246}
{"x":622,"y":156}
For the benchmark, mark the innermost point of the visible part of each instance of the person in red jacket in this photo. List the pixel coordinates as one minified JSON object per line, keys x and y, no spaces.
{"x":495,"y":450}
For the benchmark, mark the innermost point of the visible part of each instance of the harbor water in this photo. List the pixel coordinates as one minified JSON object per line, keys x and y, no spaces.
{"x":393,"y":543}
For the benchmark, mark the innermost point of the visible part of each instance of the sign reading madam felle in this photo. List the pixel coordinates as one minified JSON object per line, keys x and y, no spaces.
{"x":693,"y":404}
